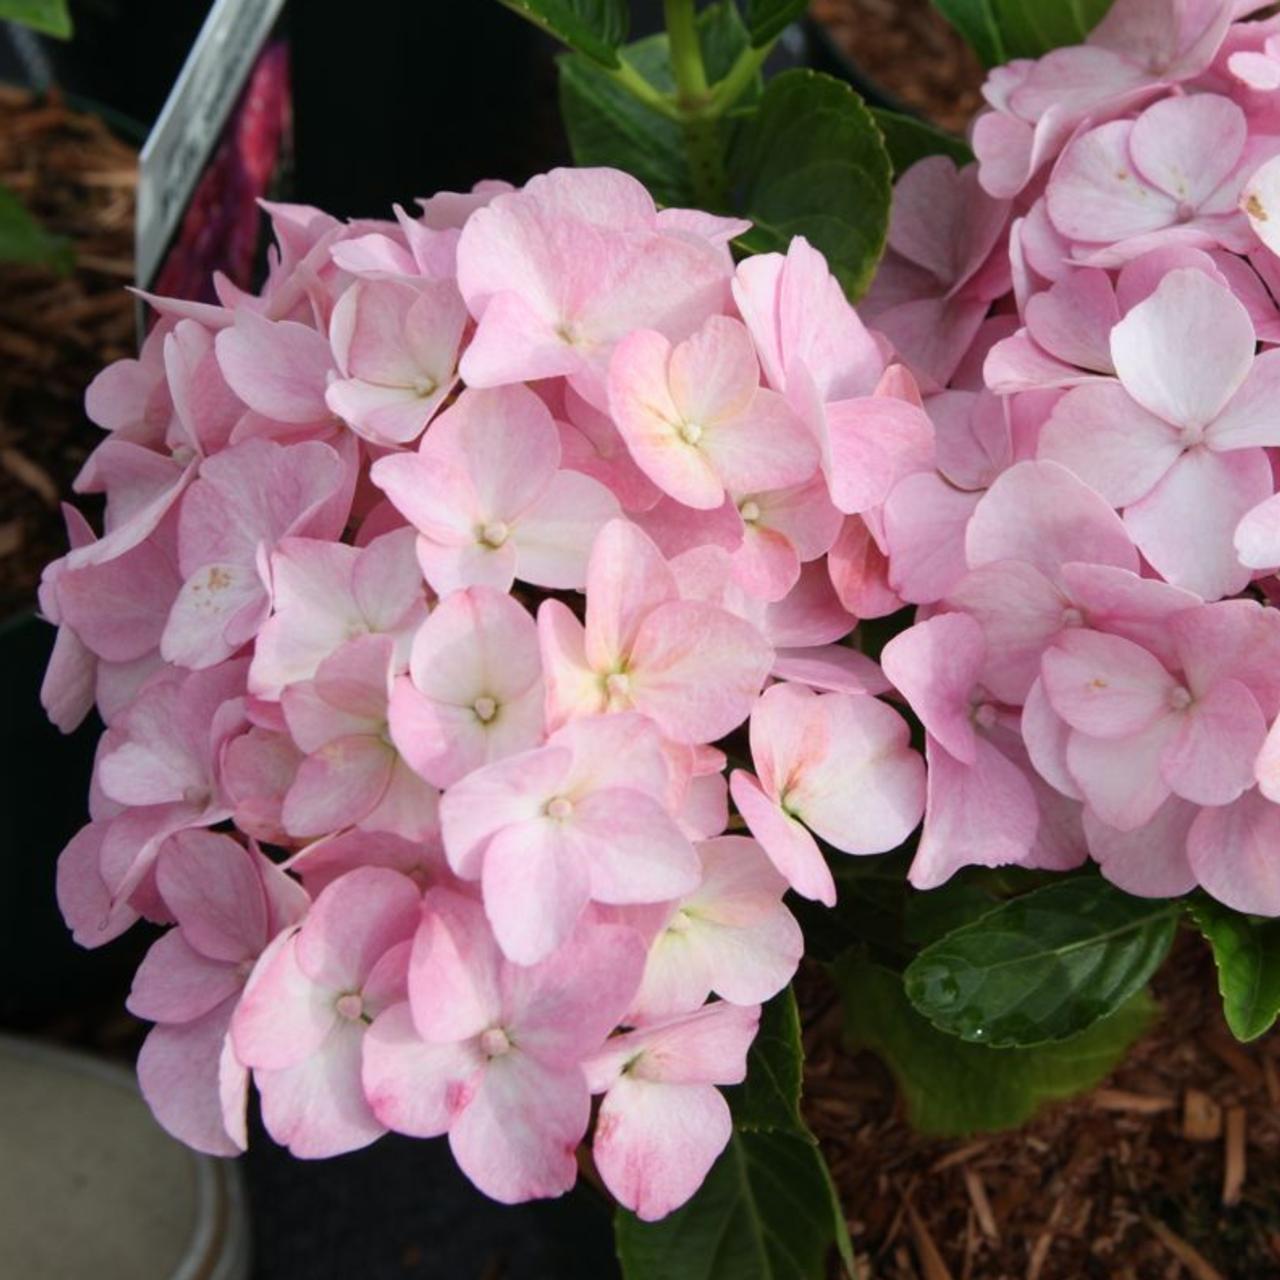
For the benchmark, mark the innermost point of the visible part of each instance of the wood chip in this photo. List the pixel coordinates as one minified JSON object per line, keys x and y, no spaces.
{"x":1239,"y":1060}
{"x":973,"y":1184}
{"x":1192,"y":1259}
{"x":960,"y":1156}
{"x":1272,"y":1078}
{"x":1145,"y":1104}
{"x":1234,"y":1166}
{"x":32,"y":474}
{"x":932,"y":1266}
{"x":1201,"y":1117}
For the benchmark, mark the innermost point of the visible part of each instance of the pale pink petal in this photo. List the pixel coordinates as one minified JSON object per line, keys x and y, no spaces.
{"x":536,"y":880}
{"x":317,"y":1107}
{"x":935,"y":665}
{"x":454,"y":970}
{"x":337,"y":785}
{"x":655,"y":1143}
{"x":414,"y":1086}
{"x":554,"y":537}
{"x":283,"y":1016}
{"x":517,"y":1135}
{"x":696,"y":670}
{"x":179,"y":1073}
{"x":1232,"y":851}
{"x":1106,"y":686}
{"x":982,"y":814}
{"x":1045,"y":735}
{"x":925,"y":519}
{"x":1184,"y":351}
{"x":176,"y":983}
{"x":627,"y":578}
{"x":789,"y":846}
{"x":1187,"y":525}
{"x":637,"y":853}
{"x":866,"y":793}
{"x":1249,"y":417}
{"x":874,"y":442}
{"x":1103,"y":436}
{"x":1120,"y":778}
{"x":1150,"y":861}
{"x":278,"y":368}
{"x":1211,"y":760}
{"x":1187,"y":146}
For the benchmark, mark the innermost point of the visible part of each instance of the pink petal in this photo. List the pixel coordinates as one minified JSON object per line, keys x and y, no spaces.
{"x":536,"y":881}
{"x":517,"y":1135}
{"x":1232,"y":852}
{"x":1150,"y":861}
{"x":180,"y":1073}
{"x":935,"y":665}
{"x":175,"y":983}
{"x":1211,"y":760}
{"x":1187,"y":146}
{"x":1186,"y":526}
{"x":283,"y":1017}
{"x":553,"y":539}
{"x":627,"y":578}
{"x":1184,"y":351}
{"x":1106,"y":686}
{"x":412,"y":1085}
{"x":454,"y":970}
{"x":636,"y":851}
{"x":317,"y":1107}
{"x":789,"y":846}
{"x":866,"y":793}
{"x":874,"y":442}
{"x":1120,"y":778}
{"x":655,"y":1143}
{"x":925,"y":519}
{"x":1103,"y":436}
{"x":983,"y":814}
{"x":278,"y":368}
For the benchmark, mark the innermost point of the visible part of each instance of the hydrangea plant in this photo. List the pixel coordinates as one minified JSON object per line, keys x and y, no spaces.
{"x":528,"y":627}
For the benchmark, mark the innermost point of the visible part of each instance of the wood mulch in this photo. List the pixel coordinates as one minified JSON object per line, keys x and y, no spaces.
{"x":908,"y":48}
{"x":56,"y":332}
{"x":1168,"y":1171}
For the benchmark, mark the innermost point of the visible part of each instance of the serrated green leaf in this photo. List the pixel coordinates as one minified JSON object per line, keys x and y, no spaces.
{"x":1247,"y":954}
{"x":976,"y":21}
{"x":811,"y":162}
{"x":23,"y":239}
{"x":767,"y":1211}
{"x":607,"y":125}
{"x":48,"y":16}
{"x":769,"y":1098}
{"x":592,"y":27}
{"x":907,"y":140}
{"x":952,"y":1089}
{"x":1044,"y":966}
{"x":767,"y":19}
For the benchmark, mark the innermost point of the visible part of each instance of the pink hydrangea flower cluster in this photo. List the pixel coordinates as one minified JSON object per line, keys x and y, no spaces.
{"x":1091,"y":312}
{"x":437,"y":585}
{"x":450,"y":588}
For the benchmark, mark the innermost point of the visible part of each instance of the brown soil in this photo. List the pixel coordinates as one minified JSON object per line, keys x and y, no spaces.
{"x":908,"y":48}
{"x":1170,"y":1170}
{"x":56,"y":332}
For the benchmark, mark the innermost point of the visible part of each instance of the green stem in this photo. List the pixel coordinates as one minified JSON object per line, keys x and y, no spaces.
{"x":737,"y":80}
{"x":635,"y":84}
{"x":702,"y":138}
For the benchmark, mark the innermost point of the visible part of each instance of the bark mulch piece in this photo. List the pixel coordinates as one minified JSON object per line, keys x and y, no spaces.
{"x":908,"y":48}
{"x":1169,"y":1171}
{"x":56,"y":331}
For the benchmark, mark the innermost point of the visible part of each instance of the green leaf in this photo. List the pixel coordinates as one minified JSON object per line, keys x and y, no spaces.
{"x":1000,"y":30}
{"x":766,"y":19}
{"x":976,"y":21}
{"x":950,"y":1088}
{"x":769,"y":1098}
{"x":907,"y":140}
{"x":1042,"y":967}
{"x":608,"y":125}
{"x":23,"y":239}
{"x":593,"y":27}
{"x":811,"y":162}
{"x":767,"y":1211}
{"x":1247,"y":953}
{"x":48,"y":16}
{"x":934,"y":913}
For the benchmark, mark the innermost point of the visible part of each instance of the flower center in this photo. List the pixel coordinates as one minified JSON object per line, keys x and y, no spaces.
{"x":494,"y":1042}
{"x":1179,"y":698}
{"x":350,"y":1006}
{"x":494,"y":534}
{"x":1072,"y":617}
{"x":617,"y":684}
{"x":750,"y":512}
{"x":984,"y":715}
{"x":559,"y":808}
{"x":485,"y":708}
{"x":690,"y":432}
{"x":196,"y":795}
{"x":424,"y":387}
